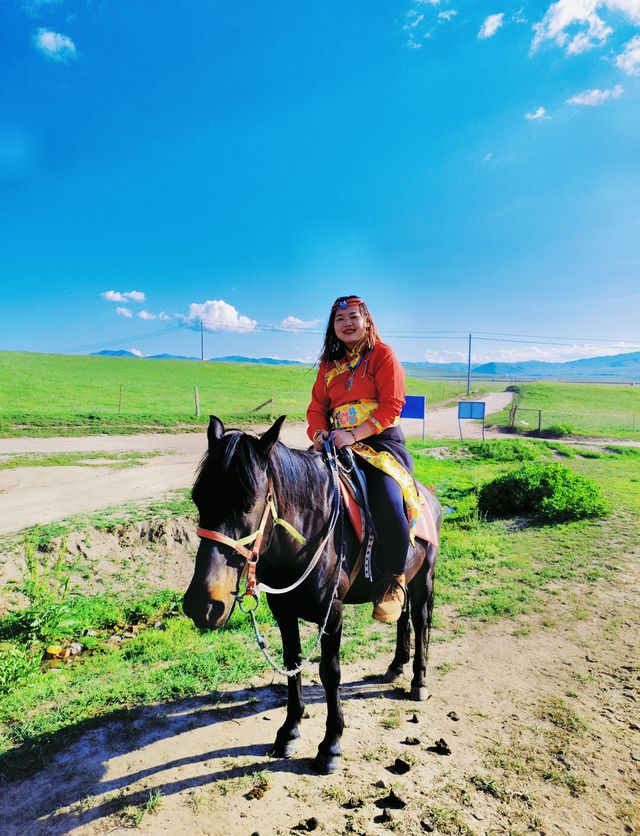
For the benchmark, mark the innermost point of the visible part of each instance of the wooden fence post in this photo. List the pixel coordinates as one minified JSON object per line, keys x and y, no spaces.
{"x":120,"y":401}
{"x":197,"y":397}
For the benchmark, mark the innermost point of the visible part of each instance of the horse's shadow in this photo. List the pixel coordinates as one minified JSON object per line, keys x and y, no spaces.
{"x":70,"y":788}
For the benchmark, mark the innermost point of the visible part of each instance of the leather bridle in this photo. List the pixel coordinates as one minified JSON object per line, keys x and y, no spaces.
{"x":240,"y":545}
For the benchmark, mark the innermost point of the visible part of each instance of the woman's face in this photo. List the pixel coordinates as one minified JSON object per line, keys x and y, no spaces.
{"x":349,"y":325}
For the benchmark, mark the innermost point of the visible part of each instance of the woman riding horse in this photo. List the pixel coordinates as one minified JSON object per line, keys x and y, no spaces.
{"x":358,"y":394}
{"x":258,"y":501}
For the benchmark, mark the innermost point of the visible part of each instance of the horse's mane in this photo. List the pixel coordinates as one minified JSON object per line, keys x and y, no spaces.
{"x":229,"y":474}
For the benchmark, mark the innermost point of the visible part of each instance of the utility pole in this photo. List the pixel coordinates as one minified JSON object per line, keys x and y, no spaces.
{"x":202,"y":341}
{"x":469,"y":368}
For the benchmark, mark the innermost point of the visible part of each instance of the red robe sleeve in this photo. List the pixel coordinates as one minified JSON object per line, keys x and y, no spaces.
{"x":389,"y":379}
{"x":319,"y":410}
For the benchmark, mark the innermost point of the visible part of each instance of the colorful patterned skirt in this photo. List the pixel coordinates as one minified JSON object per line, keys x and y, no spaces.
{"x":385,"y":451}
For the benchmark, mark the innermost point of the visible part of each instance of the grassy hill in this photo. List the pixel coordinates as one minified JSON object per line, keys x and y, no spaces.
{"x":48,"y":394}
{"x":582,"y":408}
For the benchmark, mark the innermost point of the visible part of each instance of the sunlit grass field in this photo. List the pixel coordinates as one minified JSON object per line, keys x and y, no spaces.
{"x":585,"y":409}
{"x":49,"y":394}
{"x":487,"y":570}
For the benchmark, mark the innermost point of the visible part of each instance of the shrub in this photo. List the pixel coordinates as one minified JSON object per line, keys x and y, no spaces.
{"x":555,"y":431}
{"x":551,"y":492}
{"x":507,"y":450}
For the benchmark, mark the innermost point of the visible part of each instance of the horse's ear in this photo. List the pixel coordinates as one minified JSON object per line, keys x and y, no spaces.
{"x":269,"y":438}
{"x":215,"y":429}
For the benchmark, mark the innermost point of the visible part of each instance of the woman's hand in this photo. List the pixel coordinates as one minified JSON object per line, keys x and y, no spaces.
{"x":343,"y":438}
{"x":319,"y":438}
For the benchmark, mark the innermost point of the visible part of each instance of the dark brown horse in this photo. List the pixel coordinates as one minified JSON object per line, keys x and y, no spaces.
{"x":231,"y":493}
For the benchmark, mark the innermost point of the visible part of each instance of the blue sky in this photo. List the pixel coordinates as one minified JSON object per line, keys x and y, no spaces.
{"x":463,"y":166}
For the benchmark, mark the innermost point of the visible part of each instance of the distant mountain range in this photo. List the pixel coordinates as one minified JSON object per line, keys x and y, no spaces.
{"x":269,"y":361}
{"x":623,"y":366}
{"x":612,"y":367}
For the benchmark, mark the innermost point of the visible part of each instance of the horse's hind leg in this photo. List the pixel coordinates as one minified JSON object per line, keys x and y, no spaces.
{"x":403,"y":648}
{"x":329,"y":753}
{"x":421,"y":592}
{"x":288,"y":734}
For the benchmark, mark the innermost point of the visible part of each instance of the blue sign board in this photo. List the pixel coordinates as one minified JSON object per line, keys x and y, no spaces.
{"x":471,"y":409}
{"x":415,"y":406}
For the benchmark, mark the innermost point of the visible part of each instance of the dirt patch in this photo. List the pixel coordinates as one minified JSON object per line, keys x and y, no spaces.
{"x":540,"y":717}
{"x":152,"y":554}
{"x":41,"y":495}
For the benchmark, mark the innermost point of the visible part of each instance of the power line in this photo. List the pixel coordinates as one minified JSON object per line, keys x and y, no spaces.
{"x":523,"y":342}
{"x":540,"y":337}
{"x":485,"y":336}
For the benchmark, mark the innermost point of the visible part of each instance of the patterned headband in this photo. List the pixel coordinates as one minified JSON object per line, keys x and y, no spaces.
{"x":346,"y":302}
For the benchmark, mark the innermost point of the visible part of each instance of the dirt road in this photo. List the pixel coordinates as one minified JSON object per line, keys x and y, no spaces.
{"x":540,"y":716}
{"x":41,"y":495}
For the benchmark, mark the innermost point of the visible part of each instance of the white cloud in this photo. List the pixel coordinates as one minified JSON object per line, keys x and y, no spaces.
{"x":629,"y":59}
{"x":163,"y":316}
{"x":130,"y":295}
{"x":551,"y":354}
{"x":147,"y":315}
{"x":448,"y":15}
{"x":445,"y":357}
{"x":124,"y":312}
{"x":491,"y":25}
{"x":519,"y":16}
{"x":540,"y":113}
{"x":55,"y":46}
{"x":545,"y":353}
{"x":592,"y":98}
{"x":218,"y":315}
{"x":33,"y":7}
{"x":487,"y":156}
{"x":563,"y":18}
{"x":136,"y":351}
{"x":292,"y":323}
{"x":113,"y":296}
{"x":630,"y":8}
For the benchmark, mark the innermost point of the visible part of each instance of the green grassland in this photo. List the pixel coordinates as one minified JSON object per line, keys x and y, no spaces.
{"x":52,"y":394}
{"x":138,"y":650}
{"x":585,"y":409}
{"x":116,"y":461}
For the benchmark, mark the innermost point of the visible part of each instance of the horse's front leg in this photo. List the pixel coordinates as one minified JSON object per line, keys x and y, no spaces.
{"x":288,"y":734}
{"x":329,"y":753}
{"x":421,"y":592}
{"x":403,"y":648}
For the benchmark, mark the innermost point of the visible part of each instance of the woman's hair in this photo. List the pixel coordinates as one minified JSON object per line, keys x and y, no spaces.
{"x":333,"y":348}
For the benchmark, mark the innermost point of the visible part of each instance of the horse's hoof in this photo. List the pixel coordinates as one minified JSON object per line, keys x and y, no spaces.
{"x":286,"y":750}
{"x":323,"y":765}
{"x":393,"y":673}
{"x":419,"y":693}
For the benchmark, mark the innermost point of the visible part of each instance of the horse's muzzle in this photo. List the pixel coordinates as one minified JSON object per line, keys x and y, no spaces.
{"x":206,"y":615}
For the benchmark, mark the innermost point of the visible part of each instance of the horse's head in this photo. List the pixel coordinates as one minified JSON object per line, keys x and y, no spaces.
{"x":230,"y":494}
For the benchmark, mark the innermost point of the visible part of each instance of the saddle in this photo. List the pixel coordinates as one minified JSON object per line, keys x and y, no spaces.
{"x":354,"y":497}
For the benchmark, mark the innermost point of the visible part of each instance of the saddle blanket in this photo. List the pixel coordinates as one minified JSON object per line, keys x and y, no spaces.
{"x":425,"y":527}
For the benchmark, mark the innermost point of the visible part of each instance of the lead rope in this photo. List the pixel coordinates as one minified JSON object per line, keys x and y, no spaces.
{"x":335,"y":513}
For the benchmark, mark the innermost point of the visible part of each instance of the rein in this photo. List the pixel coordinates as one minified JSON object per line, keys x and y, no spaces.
{"x":251,"y":557}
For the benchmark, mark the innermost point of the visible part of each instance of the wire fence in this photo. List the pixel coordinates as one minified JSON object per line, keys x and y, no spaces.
{"x":539,"y":419}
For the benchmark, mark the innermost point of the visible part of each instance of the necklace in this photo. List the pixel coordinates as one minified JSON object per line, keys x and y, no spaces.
{"x":356,"y":360}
